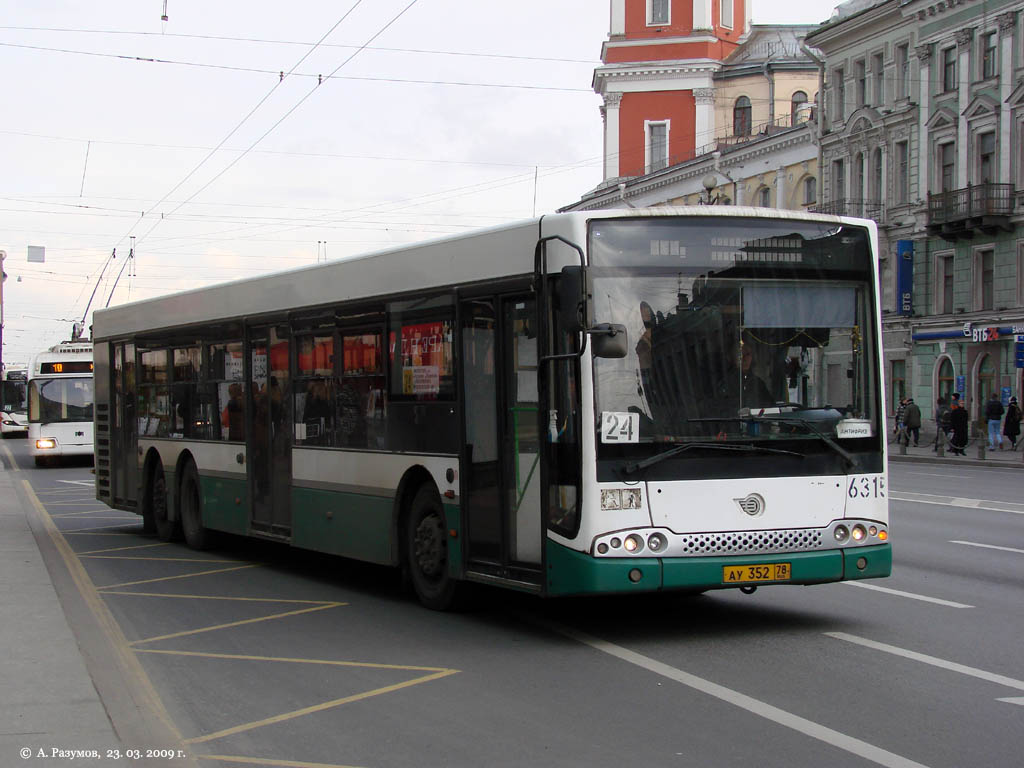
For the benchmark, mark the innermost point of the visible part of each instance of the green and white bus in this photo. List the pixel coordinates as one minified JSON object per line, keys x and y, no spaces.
{"x":589,"y":402}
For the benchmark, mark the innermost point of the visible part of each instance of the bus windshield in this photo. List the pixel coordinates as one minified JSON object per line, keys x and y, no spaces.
{"x":741,"y":333}
{"x":57,"y":400}
{"x":14,"y":397}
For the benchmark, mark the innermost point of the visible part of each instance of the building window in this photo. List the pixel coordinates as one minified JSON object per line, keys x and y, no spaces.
{"x":944,"y":284}
{"x":878,"y":71}
{"x":984,"y":283}
{"x":657,"y":11}
{"x":764,"y":197}
{"x":949,"y":70}
{"x":810,"y":190}
{"x":795,"y":105}
{"x":989,"y":66}
{"x":902,"y":171}
{"x":741,"y":117}
{"x":860,"y":73}
{"x":986,"y":382}
{"x":725,"y":13}
{"x":858,"y":178}
{"x":838,"y":180}
{"x":902,"y":70}
{"x":947,"y":166}
{"x":876,"y":175}
{"x":839,"y":76}
{"x":944,"y":381}
{"x":657,"y":146}
{"x":1020,"y":273}
{"x":899,"y":383}
{"x":986,"y":157}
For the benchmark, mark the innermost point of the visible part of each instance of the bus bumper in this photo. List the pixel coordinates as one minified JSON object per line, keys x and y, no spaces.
{"x":572,"y":573}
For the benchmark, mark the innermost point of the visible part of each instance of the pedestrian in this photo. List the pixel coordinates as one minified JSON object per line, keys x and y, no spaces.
{"x":899,"y":418}
{"x":912,"y":422}
{"x":994,"y":415}
{"x":941,"y":421}
{"x":1011,"y":424}
{"x":958,"y":424}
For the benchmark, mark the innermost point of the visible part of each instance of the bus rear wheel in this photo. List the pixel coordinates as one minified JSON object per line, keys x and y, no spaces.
{"x":426,"y":547}
{"x":191,"y":504}
{"x":156,"y":508}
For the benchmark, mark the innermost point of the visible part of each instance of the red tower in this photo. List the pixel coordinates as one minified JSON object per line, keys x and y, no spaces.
{"x":656,"y":79}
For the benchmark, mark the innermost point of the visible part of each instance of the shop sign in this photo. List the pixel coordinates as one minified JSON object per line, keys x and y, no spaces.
{"x":981,"y":334}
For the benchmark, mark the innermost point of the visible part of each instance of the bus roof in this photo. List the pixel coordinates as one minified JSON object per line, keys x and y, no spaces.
{"x":503,"y":251}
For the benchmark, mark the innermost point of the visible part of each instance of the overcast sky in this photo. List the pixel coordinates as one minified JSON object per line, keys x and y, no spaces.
{"x":395,"y":121}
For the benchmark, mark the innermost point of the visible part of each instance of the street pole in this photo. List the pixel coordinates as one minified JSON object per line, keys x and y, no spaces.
{"x":3,"y":279}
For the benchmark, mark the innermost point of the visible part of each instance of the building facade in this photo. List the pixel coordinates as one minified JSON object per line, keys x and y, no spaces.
{"x":923,"y":130}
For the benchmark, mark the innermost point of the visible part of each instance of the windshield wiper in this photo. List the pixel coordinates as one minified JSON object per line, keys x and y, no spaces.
{"x":851,"y":462}
{"x":635,"y":466}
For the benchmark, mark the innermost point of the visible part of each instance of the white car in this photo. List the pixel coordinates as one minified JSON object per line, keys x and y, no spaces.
{"x":13,"y":423}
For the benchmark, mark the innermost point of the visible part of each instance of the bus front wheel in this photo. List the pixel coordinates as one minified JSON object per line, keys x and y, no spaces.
{"x":426,"y":539}
{"x":196,"y":535}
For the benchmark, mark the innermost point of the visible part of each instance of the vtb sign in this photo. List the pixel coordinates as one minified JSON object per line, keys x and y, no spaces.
{"x":980,"y":334}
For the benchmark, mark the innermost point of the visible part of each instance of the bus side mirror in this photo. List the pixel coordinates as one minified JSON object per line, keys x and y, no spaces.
{"x":572,"y":300}
{"x":608,"y":340}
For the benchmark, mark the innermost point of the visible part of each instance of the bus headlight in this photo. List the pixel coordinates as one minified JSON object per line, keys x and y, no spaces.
{"x":859,"y":533}
{"x":657,"y":542}
{"x":46,"y":444}
{"x":842,"y":533}
{"x":633,"y":543}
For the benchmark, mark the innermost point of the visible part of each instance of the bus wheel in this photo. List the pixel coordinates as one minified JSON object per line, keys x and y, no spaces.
{"x":191,"y":505}
{"x":166,"y":530}
{"x":427,"y":551}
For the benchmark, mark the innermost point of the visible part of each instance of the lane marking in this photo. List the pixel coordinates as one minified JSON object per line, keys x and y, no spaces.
{"x":121,"y":549}
{"x":1019,"y":700}
{"x":100,"y":529}
{"x":748,"y":703}
{"x":270,"y":761}
{"x":218,"y":597}
{"x":10,"y":458}
{"x":89,"y":483}
{"x":157,"y":559}
{"x":171,"y":578}
{"x":952,"y":666}
{"x":953,"y":501}
{"x":911,"y":595}
{"x":987,"y":546}
{"x":293,"y":660}
{"x":240,"y":623}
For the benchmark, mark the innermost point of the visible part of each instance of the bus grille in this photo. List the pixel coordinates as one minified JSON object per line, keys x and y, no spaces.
{"x":749,"y":542}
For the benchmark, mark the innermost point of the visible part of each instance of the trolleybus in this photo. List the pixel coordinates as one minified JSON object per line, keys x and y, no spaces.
{"x":60,"y":402}
{"x":14,"y":401}
{"x":588,"y":402}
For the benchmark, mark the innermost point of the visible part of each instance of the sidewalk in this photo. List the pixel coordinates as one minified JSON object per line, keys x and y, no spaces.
{"x":1005,"y":459}
{"x":49,"y":701}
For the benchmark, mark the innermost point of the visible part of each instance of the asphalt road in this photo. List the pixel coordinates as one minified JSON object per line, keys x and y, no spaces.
{"x":263,"y":656}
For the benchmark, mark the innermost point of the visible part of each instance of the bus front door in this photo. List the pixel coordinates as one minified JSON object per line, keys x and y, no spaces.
{"x":502,"y":480}
{"x":124,"y":431}
{"x":270,"y":452}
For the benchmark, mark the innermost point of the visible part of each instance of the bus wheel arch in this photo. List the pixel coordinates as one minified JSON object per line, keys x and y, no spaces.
{"x":156,"y":500}
{"x":190,"y":504}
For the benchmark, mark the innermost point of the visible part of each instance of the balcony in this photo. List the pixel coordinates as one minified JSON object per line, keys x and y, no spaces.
{"x":865,"y":209}
{"x":958,"y":213}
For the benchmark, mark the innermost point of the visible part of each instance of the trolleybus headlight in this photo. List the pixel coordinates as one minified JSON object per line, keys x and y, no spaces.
{"x":873,"y":530}
{"x":602,"y":548}
{"x":633,"y":543}
{"x":615,"y":542}
{"x":657,"y":542}
{"x":46,"y":443}
{"x":842,"y":533}
{"x":859,"y":533}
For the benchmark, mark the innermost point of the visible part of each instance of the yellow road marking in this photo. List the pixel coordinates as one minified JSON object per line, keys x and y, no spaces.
{"x":236,"y":623}
{"x":121,"y":549}
{"x":172,"y":578}
{"x":157,"y":559}
{"x":290,"y":660}
{"x":125,"y":658}
{"x":284,"y":717}
{"x":270,"y":761}
{"x":89,"y":532}
{"x":101,"y":528}
{"x":10,"y":458}
{"x":81,"y":515}
{"x":219,"y":597}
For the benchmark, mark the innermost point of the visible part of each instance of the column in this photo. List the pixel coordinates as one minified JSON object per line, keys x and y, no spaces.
{"x":617,"y":25}
{"x":924,"y":150}
{"x":704,"y":128}
{"x":610,"y":111}
{"x":1007,"y":22}
{"x":780,"y":187}
{"x":963,"y":78}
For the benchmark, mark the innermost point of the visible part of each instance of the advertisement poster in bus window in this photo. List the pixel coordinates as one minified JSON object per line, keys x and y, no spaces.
{"x":425,"y":357}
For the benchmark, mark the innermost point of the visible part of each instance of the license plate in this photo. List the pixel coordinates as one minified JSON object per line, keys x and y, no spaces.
{"x":740,"y":574}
